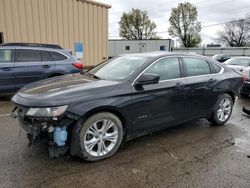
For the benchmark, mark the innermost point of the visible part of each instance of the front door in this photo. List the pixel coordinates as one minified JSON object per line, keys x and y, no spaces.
{"x":157,"y":106}
{"x":7,"y":83}
{"x":28,"y":67}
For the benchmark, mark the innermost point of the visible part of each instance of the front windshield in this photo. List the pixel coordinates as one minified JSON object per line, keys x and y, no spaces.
{"x":119,"y":68}
{"x":238,"y":61}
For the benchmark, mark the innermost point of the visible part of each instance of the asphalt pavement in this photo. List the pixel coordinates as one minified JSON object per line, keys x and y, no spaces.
{"x":196,"y":154}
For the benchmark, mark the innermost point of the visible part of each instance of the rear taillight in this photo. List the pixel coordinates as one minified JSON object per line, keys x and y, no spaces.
{"x":78,"y":65}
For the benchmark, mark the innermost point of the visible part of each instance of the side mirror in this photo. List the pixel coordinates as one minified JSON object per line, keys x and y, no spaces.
{"x":146,"y":79}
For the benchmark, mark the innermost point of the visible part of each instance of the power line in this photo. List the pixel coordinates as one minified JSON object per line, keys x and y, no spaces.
{"x":169,"y":9}
{"x":208,"y":25}
{"x":241,"y":8}
{"x":166,"y":5}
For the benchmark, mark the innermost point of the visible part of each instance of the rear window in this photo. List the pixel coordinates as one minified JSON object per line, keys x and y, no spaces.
{"x":57,"y":56}
{"x":45,"y":56}
{"x":196,"y":67}
{"x":216,"y":68}
{"x":25,"y":55}
{"x":5,"y":55}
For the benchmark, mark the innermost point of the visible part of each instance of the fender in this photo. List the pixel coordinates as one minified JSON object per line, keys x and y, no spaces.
{"x":119,"y":106}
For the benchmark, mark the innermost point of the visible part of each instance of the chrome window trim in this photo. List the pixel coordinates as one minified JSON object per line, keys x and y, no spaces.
{"x":50,"y":50}
{"x":204,"y":75}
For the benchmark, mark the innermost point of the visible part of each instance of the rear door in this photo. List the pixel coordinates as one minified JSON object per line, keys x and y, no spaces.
{"x":48,"y":64}
{"x":28,"y":66}
{"x":62,"y":62}
{"x":201,"y":80}
{"x":7,"y":83}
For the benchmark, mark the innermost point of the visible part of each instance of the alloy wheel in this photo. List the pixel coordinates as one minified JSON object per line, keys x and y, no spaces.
{"x":224,"y":109}
{"x":101,"y":137}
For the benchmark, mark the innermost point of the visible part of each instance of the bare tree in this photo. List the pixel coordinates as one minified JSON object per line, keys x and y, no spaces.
{"x":235,"y":33}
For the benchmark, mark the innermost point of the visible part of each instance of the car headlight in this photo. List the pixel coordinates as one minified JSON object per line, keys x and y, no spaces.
{"x":47,"y":112}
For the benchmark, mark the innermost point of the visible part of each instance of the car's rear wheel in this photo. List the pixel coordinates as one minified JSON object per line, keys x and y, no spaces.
{"x":222,"y":110}
{"x":244,"y":95}
{"x":100,"y":136}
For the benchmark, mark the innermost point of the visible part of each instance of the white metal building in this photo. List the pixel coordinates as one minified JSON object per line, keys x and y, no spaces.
{"x":117,"y":47}
{"x":210,"y":51}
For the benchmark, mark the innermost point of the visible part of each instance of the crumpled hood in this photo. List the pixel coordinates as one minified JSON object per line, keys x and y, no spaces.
{"x":63,"y":90}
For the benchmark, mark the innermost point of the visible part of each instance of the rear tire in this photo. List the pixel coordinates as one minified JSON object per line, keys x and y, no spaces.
{"x":100,"y":136}
{"x":222,"y":110}
{"x":244,"y":95}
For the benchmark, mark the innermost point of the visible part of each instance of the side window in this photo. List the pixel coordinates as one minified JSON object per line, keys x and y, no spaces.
{"x":25,"y":55}
{"x":196,"y":66}
{"x":216,"y":68}
{"x":5,"y":55}
{"x":57,"y":56}
{"x":45,"y":56}
{"x":168,"y":68}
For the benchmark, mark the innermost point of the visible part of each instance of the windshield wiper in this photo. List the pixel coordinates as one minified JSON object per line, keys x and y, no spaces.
{"x":94,"y":76}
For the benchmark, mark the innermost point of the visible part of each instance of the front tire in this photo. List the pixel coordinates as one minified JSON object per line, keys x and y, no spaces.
{"x":222,"y":110}
{"x":100,"y":136}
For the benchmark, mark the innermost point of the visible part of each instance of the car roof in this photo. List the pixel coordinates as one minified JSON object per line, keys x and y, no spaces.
{"x":54,"y":46}
{"x":31,"y":48}
{"x":34,"y":46}
{"x":162,"y":54}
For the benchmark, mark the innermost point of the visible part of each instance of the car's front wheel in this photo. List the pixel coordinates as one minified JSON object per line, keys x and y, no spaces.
{"x":100,"y":136}
{"x":222,"y":110}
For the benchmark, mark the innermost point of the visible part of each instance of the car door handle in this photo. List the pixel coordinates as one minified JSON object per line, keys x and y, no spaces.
{"x":6,"y":68}
{"x":46,"y":66}
{"x":179,"y":85}
{"x":211,"y":80}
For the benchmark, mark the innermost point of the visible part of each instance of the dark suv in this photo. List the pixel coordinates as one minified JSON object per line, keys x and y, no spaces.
{"x":21,"y":64}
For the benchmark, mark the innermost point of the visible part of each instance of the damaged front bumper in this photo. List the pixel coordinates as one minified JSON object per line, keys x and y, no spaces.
{"x":53,"y":130}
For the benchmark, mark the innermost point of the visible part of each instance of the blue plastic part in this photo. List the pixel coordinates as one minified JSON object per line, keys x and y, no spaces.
{"x":60,"y":135}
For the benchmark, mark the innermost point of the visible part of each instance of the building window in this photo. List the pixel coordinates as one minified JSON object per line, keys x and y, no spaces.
{"x":127,"y":47}
{"x":163,"y":48}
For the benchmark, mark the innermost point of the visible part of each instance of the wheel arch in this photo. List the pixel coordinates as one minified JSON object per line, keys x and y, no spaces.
{"x":109,"y":109}
{"x":75,"y":149}
{"x":232,"y":94}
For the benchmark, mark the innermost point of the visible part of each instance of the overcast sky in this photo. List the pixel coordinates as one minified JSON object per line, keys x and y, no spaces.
{"x":210,"y":12}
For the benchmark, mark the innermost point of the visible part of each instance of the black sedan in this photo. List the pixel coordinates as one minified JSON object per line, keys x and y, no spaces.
{"x":92,"y":113}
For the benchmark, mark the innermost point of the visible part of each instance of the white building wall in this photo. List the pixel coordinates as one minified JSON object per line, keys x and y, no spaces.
{"x":210,"y":51}
{"x":117,"y":47}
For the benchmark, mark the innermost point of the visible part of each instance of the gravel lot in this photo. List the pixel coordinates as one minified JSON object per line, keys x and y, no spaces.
{"x":191,"y":155}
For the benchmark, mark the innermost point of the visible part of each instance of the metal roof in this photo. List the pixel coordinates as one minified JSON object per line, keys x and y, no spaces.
{"x":95,"y":3}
